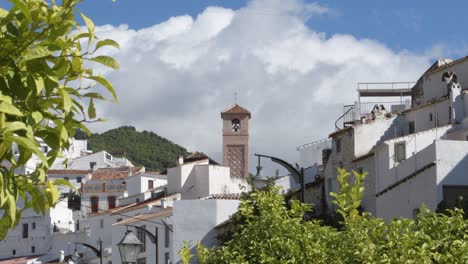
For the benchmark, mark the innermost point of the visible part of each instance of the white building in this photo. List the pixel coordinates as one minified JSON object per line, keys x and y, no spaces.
{"x":413,"y":155}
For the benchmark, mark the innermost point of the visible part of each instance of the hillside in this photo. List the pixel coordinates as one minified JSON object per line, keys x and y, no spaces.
{"x":141,"y":148}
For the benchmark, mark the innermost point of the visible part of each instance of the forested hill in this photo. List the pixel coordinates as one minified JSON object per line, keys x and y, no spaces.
{"x":141,"y":148}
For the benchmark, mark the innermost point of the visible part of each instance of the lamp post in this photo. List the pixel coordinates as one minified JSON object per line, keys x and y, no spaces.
{"x":298,"y":175}
{"x":129,"y":248}
{"x":96,"y":251}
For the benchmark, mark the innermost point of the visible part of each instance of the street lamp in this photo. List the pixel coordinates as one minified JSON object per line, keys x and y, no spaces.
{"x":297,"y":175}
{"x":96,"y":251}
{"x":129,"y":248}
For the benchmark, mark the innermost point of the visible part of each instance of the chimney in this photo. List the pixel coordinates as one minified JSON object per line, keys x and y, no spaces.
{"x":163,"y":203}
{"x":180,"y":161}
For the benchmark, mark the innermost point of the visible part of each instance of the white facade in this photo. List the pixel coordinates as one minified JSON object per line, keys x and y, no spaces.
{"x":141,"y":182}
{"x":195,"y":220}
{"x":200,"y":179}
{"x":101,"y":159}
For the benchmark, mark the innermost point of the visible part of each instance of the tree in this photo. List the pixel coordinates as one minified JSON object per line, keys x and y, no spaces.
{"x":46,"y":92}
{"x":269,"y":231}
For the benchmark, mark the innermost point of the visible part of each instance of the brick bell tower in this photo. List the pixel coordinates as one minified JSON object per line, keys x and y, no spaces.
{"x":236,"y":140}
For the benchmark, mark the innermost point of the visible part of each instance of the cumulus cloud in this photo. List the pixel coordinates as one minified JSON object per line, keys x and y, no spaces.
{"x":177,"y":76}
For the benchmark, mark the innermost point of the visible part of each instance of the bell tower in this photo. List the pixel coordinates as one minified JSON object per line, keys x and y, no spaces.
{"x":236,"y":140}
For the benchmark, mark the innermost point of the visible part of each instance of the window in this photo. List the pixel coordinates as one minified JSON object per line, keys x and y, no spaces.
{"x":25,"y":230}
{"x":77,"y":225}
{"x":137,"y":200}
{"x":33,"y":249}
{"x":111,"y":202}
{"x":411,"y":127}
{"x":430,"y":116}
{"x":92,"y":165}
{"x":338,"y":145}
{"x":466,"y":138}
{"x":400,"y":151}
{"x":94,"y":204}
{"x":101,"y":223}
{"x":79,"y":179}
{"x":235,"y":125}
{"x":450,"y":113}
{"x":33,"y":225}
{"x":45,"y":149}
{"x":13,"y":252}
{"x":142,"y":237}
{"x":166,"y":258}
{"x":141,"y":261}
{"x":150,"y":184}
{"x":166,"y":236}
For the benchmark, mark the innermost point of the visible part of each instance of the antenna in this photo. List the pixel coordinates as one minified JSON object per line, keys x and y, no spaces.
{"x":235,"y":97}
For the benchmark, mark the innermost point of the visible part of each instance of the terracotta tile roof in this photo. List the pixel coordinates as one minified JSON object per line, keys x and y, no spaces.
{"x":68,"y":172}
{"x":235,"y":109}
{"x":224,"y":196}
{"x":196,"y":156}
{"x":163,"y":213}
{"x":18,"y":260}
{"x":106,"y":174}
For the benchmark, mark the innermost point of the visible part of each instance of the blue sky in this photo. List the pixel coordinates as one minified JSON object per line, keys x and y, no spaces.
{"x":183,"y":60}
{"x":400,"y":24}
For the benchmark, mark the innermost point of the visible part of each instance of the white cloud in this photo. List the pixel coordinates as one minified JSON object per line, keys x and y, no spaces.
{"x":177,"y":76}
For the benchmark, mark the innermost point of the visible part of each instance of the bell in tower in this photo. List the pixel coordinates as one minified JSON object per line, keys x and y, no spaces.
{"x":236,"y":140}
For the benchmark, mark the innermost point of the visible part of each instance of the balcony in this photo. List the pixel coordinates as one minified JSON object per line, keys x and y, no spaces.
{"x":393,"y":96}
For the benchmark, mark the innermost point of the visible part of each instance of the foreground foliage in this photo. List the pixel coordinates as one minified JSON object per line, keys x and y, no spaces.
{"x":272,"y":232}
{"x":141,"y":148}
{"x":45,"y":94}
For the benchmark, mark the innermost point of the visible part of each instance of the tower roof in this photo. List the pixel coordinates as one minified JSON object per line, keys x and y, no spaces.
{"x":235,"y":109}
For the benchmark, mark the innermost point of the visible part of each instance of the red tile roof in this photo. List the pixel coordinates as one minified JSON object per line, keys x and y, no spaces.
{"x":68,"y":172}
{"x":235,"y":109}
{"x":105,"y":174}
{"x":225,"y":196}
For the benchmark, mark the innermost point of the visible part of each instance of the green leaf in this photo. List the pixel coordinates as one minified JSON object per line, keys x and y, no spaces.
{"x":9,"y":109}
{"x":54,"y":193}
{"x":14,"y":126}
{"x":11,"y":207}
{"x":66,"y":100}
{"x":28,"y":144}
{"x":23,"y":7}
{"x":91,"y":109}
{"x":107,"y":42}
{"x":64,"y":182}
{"x":5,"y":224}
{"x":107,"y":61}
{"x":104,"y":82}
{"x":3,"y":13}
{"x":37,"y":52}
{"x":39,"y":84}
{"x":37,"y":116}
{"x":90,"y":25}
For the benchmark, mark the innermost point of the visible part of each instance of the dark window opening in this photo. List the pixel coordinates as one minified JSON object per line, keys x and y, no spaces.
{"x":166,"y":258}
{"x":78,"y":179}
{"x":235,"y":123}
{"x":94,"y":204}
{"x":77,"y":225}
{"x":33,"y":226}
{"x":92,"y":165}
{"x":430,"y":116}
{"x":142,"y":237}
{"x":33,"y":249}
{"x":450,"y":113}
{"x":150,"y":184}
{"x":338,"y":145}
{"x":411,"y":127}
{"x":25,"y":230}
{"x":166,"y":236}
{"x":14,"y":252}
{"x":111,"y":201}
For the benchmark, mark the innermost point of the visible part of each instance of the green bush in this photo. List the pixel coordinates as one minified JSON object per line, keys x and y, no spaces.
{"x":269,"y":231}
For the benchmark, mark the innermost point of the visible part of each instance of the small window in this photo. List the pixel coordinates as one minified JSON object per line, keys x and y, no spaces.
{"x":166,"y":236}
{"x":33,"y":249}
{"x":150,"y":184}
{"x":92,"y":165}
{"x":400,"y":151}
{"x":101,"y":223}
{"x":142,"y":237}
{"x":33,"y":225}
{"x":338,"y":145}
{"x":13,"y":252}
{"x":411,"y":127}
{"x":329,"y":185}
{"x":94,"y":204}
{"x":235,"y":124}
{"x":166,"y":258}
{"x":79,"y":179}
{"x":137,"y":200}
{"x":450,"y":113}
{"x":430,"y":117}
{"x":45,"y":149}
{"x":111,"y":202}
{"x":25,"y":230}
{"x":77,"y":225}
